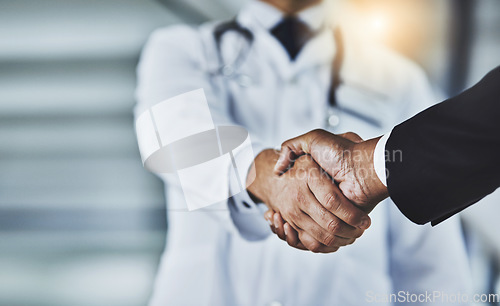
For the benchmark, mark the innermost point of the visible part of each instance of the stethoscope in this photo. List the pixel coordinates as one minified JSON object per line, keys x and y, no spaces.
{"x":229,"y":71}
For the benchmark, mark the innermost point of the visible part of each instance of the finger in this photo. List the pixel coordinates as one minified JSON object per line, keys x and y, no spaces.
{"x":326,"y":226}
{"x":332,"y":240}
{"x":313,"y":245}
{"x":307,"y":224}
{"x":285,"y":160}
{"x":334,"y":226}
{"x":278,"y":220}
{"x":325,"y":218}
{"x":295,"y":230}
{"x":273,"y":229}
{"x":292,"y":237}
{"x":352,"y":137}
{"x":268,"y":215}
{"x":278,"y":223}
{"x":336,"y":206}
{"x":340,"y":241}
{"x":290,"y":150}
{"x":277,"y":216}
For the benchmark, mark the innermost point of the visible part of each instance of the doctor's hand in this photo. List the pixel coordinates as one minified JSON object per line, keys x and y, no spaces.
{"x":309,"y":201}
{"x":346,"y":158}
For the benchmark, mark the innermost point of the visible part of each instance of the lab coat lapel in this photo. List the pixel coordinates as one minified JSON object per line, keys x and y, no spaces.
{"x":265,"y":46}
{"x":270,"y":48}
{"x":318,"y":51}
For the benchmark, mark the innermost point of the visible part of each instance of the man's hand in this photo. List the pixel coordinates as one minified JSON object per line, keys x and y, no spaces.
{"x":346,"y":159}
{"x":310,"y":202}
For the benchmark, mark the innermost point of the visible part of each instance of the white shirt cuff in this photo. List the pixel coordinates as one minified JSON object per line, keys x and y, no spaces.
{"x":247,"y":216}
{"x":379,"y":158}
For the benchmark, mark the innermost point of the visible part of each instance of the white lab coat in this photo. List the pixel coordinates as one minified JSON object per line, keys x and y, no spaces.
{"x":221,"y":256}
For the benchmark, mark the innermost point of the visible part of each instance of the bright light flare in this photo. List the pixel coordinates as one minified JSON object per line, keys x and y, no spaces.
{"x":378,"y":25}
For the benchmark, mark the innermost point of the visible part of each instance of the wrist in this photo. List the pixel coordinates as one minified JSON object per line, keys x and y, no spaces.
{"x":262,"y":173}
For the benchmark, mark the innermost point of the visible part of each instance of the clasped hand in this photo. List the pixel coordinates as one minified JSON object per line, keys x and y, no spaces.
{"x":319,"y":189}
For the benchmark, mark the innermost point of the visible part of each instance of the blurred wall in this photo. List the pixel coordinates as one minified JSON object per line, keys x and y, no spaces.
{"x":81,"y":222}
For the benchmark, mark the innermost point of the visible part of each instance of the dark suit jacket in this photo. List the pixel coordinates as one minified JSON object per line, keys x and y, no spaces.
{"x":449,"y":154}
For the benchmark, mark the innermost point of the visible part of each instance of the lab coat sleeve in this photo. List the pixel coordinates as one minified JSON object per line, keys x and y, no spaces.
{"x":175,"y":61}
{"x":423,"y":258}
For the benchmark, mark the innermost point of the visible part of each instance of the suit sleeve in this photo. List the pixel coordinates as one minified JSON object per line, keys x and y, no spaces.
{"x":446,"y":158}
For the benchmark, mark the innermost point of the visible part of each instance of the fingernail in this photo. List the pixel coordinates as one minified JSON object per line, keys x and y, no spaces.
{"x":286,"y":230}
{"x":365,"y":223}
{"x":268,"y":218}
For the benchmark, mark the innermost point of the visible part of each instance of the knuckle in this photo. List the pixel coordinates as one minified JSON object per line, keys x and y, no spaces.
{"x":332,"y":201}
{"x":291,"y":243}
{"x":329,"y":240}
{"x":292,"y":213}
{"x":315,"y":247}
{"x":350,"y":193}
{"x":333,"y":226}
{"x":322,"y":212}
{"x":358,"y":234}
{"x":316,"y":132}
{"x":351,"y":135}
{"x":286,"y":212}
{"x":343,"y":242}
{"x":299,"y":197}
{"x":346,"y":215}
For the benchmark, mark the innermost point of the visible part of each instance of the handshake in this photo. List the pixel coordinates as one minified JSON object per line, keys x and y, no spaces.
{"x":319,"y":189}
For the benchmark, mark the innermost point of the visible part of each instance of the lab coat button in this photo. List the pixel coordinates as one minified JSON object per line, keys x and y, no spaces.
{"x":244,"y":80}
{"x":227,"y":70}
{"x":333,"y":120}
{"x":275,"y":303}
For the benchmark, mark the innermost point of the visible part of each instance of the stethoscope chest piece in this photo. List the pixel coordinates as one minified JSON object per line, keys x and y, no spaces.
{"x":332,"y":118}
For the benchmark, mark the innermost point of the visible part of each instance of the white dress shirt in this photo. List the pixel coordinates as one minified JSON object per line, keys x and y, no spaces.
{"x":379,"y":158}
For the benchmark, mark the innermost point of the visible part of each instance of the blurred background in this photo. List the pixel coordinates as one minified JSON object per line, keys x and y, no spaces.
{"x":81,"y":222}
